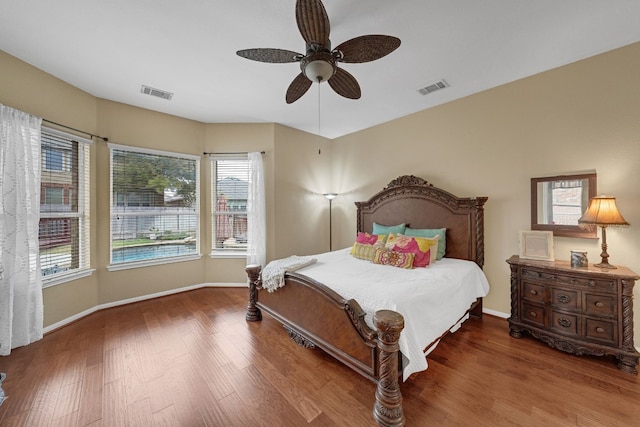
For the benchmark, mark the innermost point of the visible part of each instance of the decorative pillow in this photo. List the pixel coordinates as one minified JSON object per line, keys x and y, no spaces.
{"x":386,"y":229}
{"x":371,"y":239}
{"x":393,"y":258}
{"x":364,"y":251}
{"x":430,"y":233}
{"x":425,"y":249}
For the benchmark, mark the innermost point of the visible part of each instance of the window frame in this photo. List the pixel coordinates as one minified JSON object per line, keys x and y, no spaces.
{"x":82,"y":215}
{"x":213,"y":167}
{"x":195,"y":209}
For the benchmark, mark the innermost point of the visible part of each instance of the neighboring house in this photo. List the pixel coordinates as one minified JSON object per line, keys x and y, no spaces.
{"x":232,"y":197}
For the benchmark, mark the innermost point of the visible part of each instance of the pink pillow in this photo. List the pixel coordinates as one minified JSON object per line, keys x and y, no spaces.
{"x":422,"y":259}
{"x":368,"y":239}
{"x":425,"y":249}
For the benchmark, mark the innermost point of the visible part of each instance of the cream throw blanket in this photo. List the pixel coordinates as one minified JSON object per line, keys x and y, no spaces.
{"x":273,"y":273}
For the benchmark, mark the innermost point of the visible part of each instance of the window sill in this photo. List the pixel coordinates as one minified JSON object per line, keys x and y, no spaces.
{"x":64,"y":278}
{"x":227,"y":254}
{"x":151,"y":262}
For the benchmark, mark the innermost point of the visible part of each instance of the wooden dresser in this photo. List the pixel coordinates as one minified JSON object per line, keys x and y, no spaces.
{"x":577,"y":310}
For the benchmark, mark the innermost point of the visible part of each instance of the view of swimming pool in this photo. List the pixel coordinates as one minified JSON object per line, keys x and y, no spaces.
{"x":145,"y":252}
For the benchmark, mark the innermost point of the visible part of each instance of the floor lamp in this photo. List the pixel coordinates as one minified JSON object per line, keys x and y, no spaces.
{"x":330,"y":197}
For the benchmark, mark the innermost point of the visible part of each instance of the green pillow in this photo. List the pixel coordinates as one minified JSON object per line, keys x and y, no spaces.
{"x":386,"y":229}
{"x":430,"y":232}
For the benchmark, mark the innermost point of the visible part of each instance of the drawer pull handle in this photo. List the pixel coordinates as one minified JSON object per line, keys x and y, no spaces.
{"x":564,"y":299}
{"x":533,"y":292}
{"x":533,"y":314}
{"x":599,"y":330}
{"x":599,"y":304}
{"x":564,"y":322}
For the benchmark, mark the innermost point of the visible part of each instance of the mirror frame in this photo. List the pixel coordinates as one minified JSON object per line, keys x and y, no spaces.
{"x":563,"y":230}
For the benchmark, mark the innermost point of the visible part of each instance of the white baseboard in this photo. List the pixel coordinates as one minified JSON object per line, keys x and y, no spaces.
{"x":99,"y":307}
{"x":495,"y":313}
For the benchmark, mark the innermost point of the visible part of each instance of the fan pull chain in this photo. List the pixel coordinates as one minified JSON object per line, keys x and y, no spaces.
{"x":319,"y":130}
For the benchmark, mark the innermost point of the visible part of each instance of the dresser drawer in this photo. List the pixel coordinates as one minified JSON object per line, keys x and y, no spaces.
{"x":601,"y":330}
{"x":587,"y":282}
{"x":565,"y":299}
{"x":533,"y":292}
{"x":566,"y":279}
{"x":566,"y":324}
{"x":600,"y":305}
{"x":533,"y":314}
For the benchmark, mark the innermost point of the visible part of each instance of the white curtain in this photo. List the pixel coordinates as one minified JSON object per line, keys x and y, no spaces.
{"x":21,"y":310}
{"x":256,"y":212}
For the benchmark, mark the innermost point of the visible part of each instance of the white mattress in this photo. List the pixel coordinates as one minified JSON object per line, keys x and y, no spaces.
{"x":432,"y":300}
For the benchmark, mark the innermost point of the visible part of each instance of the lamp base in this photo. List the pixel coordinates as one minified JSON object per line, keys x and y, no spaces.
{"x":605,"y":265}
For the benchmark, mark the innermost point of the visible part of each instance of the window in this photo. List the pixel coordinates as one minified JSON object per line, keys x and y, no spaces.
{"x":64,"y":206}
{"x":230,"y":186}
{"x":565,"y":204}
{"x":154,"y":206}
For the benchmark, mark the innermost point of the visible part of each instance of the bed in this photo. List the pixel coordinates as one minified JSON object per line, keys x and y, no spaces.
{"x":369,"y":340}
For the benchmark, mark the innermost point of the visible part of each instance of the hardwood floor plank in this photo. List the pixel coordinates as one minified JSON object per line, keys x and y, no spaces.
{"x":191,"y":359}
{"x":298,"y":398}
{"x":261,"y":398}
{"x":236,"y":411}
{"x":114,"y":405}
{"x":91,"y":397}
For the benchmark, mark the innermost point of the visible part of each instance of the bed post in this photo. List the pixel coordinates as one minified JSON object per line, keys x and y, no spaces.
{"x":387,"y":409}
{"x":253,"y":312}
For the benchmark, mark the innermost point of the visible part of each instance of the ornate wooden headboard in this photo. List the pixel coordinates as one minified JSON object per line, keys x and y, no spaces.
{"x":417,"y":203}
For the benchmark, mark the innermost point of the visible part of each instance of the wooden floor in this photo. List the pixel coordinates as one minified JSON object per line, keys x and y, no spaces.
{"x":192,"y":360}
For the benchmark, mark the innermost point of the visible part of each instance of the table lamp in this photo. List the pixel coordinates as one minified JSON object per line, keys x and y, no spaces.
{"x":602,"y":211}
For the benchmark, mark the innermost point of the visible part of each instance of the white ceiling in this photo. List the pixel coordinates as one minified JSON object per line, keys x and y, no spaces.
{"x":110,"y":48}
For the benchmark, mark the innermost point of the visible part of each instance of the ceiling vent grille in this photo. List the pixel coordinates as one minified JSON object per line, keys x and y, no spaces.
{"x":156,"y":92}
{"x":433,"y":87}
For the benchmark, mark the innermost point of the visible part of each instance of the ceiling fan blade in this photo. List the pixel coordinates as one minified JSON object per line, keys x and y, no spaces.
{"x":344,"y":84}
{"x":270,"y":55}
{"x":313,"y":22}
{"x":298,"y":87}
{"x":367,"y":48}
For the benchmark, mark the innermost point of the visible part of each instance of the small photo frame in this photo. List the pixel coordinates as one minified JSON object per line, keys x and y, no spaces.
{"x":536,"y":245}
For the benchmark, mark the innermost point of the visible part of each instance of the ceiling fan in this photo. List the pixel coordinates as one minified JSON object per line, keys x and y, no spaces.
{"x":319,"y":64}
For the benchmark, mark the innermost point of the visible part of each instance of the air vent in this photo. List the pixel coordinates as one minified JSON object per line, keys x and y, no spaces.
{"x":433,"y":87}
{"x":156,"y":92}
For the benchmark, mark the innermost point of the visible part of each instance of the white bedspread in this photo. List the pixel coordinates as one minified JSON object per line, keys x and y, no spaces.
{"x":432,"y":299}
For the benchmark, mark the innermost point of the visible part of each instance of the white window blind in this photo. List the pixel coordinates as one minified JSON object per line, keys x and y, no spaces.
{"x":154,"y":206}
{"x":229,"y":184}
{"x":64,"y":230}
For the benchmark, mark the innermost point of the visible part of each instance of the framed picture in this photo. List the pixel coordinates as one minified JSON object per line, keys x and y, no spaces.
{"x":536,"y":245}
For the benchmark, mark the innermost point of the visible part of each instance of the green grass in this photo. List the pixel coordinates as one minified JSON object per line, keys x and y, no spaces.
{"x":130,"y":242}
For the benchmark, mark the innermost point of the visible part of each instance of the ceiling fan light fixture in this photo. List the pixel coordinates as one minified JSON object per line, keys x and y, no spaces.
{"x":320,"y":62}
{"x":318,"y":70}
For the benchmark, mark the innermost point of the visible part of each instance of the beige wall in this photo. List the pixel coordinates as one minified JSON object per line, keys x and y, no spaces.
{"x":302,"y":176}
{"x":29,"y":89}
{"x":581,"y":117}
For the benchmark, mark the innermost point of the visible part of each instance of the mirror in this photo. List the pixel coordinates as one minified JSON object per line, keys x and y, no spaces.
{"x":557,"y":202}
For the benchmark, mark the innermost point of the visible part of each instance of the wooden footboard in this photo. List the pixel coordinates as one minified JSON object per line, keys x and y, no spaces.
{"x":315,"y":315}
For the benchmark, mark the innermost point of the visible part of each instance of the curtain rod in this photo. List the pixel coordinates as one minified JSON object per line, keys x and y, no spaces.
{"x":239,"y":152}
{"x":105,"y":139}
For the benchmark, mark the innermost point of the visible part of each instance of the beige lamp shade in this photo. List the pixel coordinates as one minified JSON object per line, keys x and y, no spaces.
{"x":602,"y":210}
